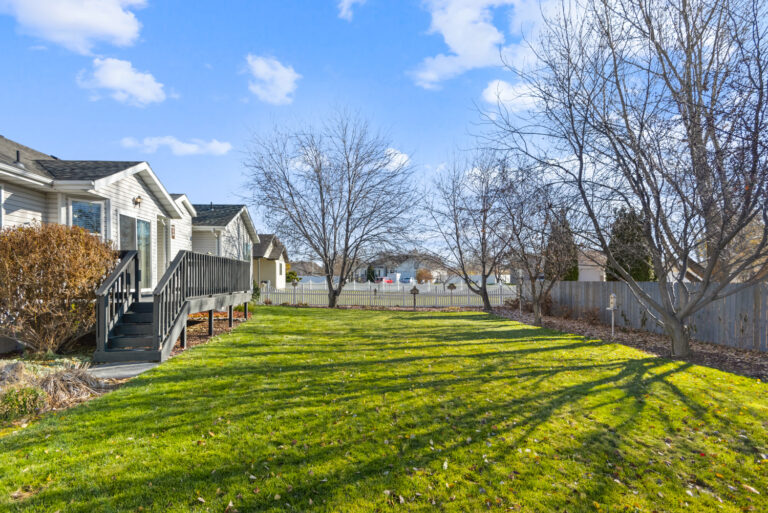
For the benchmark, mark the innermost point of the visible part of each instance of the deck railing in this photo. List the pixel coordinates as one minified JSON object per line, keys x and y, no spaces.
{"x":193,"y":275}
{"x":116,"y":295}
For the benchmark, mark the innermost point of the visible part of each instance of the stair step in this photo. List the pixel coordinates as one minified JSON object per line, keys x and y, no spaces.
{"x":137,"y":317}
{"x":143,"y":329}
{"x":141,"y":342}
{"x":142,"y":307}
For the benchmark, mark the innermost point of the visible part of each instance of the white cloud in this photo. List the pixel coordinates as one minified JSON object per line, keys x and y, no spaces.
{"x":345,"y":8}
{"x":272,"y":81}
{"x":124,"y":83}
{"x":77,"y":24}
{"x":177,"y":147}
{"x":397,"y":159}
{"x":467,"y":27}
{"x":513,"y":98}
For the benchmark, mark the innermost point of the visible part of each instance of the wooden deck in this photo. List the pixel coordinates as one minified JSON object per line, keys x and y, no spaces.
{"x":144,"y":328}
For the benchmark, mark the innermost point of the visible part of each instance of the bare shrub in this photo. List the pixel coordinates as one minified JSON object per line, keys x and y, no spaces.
{"x":48,"y":280}
{"x":592,"y":315}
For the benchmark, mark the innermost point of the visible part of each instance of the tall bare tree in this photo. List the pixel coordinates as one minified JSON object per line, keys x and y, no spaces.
{"x":468,"y":220}
{"x":338,"y":193}
{"x":659,"y":106}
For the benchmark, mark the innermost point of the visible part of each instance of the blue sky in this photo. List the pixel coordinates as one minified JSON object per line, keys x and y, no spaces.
{"x":183,"y":85}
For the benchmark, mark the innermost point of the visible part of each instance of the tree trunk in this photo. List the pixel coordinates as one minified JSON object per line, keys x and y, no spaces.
{"x":484,"y":294}
{"x":536,"y":313}
{"x":333,"y":298}
{"x":680,"y":335}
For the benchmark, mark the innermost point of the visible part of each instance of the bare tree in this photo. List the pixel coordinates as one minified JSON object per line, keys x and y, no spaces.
{"x":338,"y":193}
{"x":541,"y":245}
{"x":468,"y":220}
{"x":659,"y":106}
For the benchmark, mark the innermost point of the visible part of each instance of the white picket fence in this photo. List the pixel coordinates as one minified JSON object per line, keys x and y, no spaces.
{"x":387,"y":295}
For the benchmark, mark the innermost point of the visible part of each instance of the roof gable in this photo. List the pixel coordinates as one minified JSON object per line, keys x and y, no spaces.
{"x":215,"y":215}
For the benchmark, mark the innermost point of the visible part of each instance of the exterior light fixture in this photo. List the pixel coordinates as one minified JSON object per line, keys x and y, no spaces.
{"x":137,"y":201}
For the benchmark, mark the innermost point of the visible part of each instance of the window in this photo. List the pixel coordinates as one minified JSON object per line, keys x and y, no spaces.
{"x":281,"y":269}
{"x":88,"y":215}
{"x":246,"y":250}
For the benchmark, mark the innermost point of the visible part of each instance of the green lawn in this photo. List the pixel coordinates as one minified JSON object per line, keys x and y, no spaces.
{"x":322,"y":410}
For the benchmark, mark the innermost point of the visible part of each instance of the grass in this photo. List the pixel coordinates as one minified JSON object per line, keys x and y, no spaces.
{"x":310,"y":409}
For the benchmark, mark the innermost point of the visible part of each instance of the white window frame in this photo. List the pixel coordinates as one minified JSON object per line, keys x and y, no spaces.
{"x":101,"y":202}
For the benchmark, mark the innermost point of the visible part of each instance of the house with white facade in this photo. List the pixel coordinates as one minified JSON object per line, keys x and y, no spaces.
{"x":400,"y":267}
{"x":122,"y":202}
{"x":177,"y":257}
{"x":270,"y":261}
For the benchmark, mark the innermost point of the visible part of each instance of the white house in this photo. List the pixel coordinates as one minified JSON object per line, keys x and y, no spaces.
{"x":270,"y":261}
{"x":122,"y":202}
{"x":399,"y":267}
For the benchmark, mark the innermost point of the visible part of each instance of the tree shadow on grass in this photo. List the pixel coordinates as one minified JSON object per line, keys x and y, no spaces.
{"x":280,"y":417}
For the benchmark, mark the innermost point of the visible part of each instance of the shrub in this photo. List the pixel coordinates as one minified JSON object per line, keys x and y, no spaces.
{"x":267,"y":301}
{"x":424,"y":276}
{"x":48,"y":280}
{"x":21,"y":402}
{"x":592,"y":316}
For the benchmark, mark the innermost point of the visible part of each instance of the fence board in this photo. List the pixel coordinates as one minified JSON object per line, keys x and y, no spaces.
{"x":739,"y":320}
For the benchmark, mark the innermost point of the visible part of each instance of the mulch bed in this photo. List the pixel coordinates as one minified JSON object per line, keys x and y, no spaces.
{"x":753,"y":364}
{"x":197,"y":328}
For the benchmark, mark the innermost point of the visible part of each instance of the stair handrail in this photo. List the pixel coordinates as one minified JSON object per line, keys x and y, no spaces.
{"x":116,"y":294}
{"x":193,"y":275}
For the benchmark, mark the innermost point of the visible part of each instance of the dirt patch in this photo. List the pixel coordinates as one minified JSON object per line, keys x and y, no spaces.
{"x":753,"y":364}
{"x":197,"y":328}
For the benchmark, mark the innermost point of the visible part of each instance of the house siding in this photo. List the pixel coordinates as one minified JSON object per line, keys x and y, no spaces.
{"x":183,"y":227}
{"x":205,"y":242}
{"x":22,"y":206}
{"x":235,"y":240}
{"x":269,"y":271}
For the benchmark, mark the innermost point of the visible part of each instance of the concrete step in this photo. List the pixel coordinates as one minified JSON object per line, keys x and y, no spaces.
{"x":133,"y":328}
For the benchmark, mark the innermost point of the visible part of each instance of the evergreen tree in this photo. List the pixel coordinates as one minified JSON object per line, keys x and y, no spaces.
{"x":562,"y":255}
{"x":370,"y":275}
{"x":629,"y":247}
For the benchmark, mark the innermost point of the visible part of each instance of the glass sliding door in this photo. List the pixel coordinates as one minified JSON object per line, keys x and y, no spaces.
{"x":136,"y":234}
{"x":144,"y":245}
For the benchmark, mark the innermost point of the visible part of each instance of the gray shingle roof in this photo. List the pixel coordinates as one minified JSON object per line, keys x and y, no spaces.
{"x":51,"y":167}
{"x":83,"y":169}
{"x":269,"y":247}
{"x":27,"y":156}
{"x":215,"y":215}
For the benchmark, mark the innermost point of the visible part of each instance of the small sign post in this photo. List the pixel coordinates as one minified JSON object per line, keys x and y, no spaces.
{"x":414,"y":291}
{"x":451,"y":287}
{"x":612,"y":309}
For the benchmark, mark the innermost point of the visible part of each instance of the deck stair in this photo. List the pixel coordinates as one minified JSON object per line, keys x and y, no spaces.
{"x":144,"y":328}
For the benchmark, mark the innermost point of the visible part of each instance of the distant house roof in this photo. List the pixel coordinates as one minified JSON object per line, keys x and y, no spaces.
{"x":269,"y":247}
{"x":306,"y":268}
{"x":215,"y":215}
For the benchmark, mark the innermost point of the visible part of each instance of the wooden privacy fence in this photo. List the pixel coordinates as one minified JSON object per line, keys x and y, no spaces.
{"x":739,"y":320}
{"x":387,"y":298}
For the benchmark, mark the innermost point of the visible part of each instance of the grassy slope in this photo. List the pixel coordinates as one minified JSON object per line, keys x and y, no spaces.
{"x":354,"y":410}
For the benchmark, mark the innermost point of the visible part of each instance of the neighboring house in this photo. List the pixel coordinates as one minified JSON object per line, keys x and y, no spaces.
{"x":307,"y":268}
{"x":399,"y":267}
{"x":223,"y":230}
{"x":591,"y":265}
{"x":122,"y":202}
{"x":270,"y":259}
